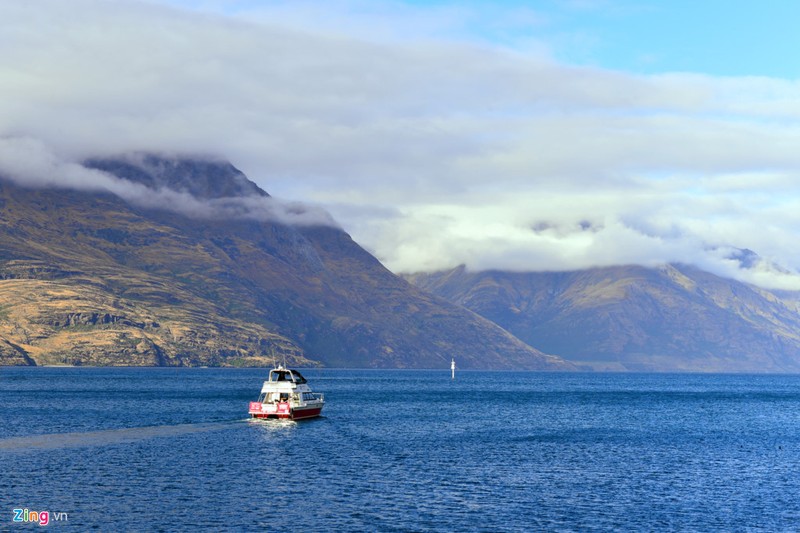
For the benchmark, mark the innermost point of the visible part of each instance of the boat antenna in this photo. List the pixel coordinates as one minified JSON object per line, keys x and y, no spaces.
{"x":272,"y":353}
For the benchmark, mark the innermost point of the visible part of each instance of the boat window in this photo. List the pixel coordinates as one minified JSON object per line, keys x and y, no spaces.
{"x":298,"y":377}
{"x":262,"y":397}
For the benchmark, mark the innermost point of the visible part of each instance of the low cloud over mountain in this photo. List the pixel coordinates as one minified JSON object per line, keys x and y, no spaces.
{"x":148,"y":181}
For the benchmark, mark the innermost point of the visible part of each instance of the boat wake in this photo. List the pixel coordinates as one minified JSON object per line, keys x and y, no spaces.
{"x":273,"y":423}
{"x":106,"y":437}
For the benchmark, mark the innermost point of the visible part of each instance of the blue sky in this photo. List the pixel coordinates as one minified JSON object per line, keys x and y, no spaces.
{"x":747,"y":38}
{"x":716,"y":37}
{"x":524,"y":136}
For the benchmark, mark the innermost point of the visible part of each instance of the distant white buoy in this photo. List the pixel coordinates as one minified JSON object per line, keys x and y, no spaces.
{"x":453,"y":368}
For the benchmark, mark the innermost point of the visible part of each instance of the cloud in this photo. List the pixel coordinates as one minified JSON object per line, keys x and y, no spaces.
{"x":431,"y":147}
{"x":30,"y":163}
{"x":557,"y":231}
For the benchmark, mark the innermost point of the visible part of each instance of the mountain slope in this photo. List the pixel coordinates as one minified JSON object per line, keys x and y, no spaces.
{"x":89,"y":278}
{"x":674,"y":318}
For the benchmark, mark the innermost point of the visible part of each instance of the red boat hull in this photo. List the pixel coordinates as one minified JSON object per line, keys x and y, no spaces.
{"x":295,"y":414}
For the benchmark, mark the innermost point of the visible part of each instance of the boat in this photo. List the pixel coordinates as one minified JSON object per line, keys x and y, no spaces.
{"x":286,"y":394}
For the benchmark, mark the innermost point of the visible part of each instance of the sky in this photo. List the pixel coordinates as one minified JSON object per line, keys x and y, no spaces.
{"x":523,"y":136}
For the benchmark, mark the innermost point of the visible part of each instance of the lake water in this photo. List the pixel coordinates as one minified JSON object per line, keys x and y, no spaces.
{"x":171,"y":449}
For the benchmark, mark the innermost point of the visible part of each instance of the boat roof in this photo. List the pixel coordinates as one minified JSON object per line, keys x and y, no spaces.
{"x":285,"y":374}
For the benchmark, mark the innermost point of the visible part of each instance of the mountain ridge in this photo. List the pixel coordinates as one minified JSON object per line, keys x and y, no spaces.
{"x":204,"y":179}
{"x":87,"y":277}
{"x":633,"y":318}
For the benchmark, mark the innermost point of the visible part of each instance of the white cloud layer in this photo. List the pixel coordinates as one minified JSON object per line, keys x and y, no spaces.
{"x":430,"y":149}
{"x":29,"y":162}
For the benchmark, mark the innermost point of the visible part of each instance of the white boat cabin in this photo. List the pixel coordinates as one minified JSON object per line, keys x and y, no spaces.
{"x":287,"y":385}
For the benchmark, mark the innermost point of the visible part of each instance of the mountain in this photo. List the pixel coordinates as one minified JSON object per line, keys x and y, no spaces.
{"x":198,"y":266}
{"x":631,"y":318}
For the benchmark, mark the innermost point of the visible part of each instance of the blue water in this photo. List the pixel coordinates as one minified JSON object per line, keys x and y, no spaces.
{"x":171,"y":449}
